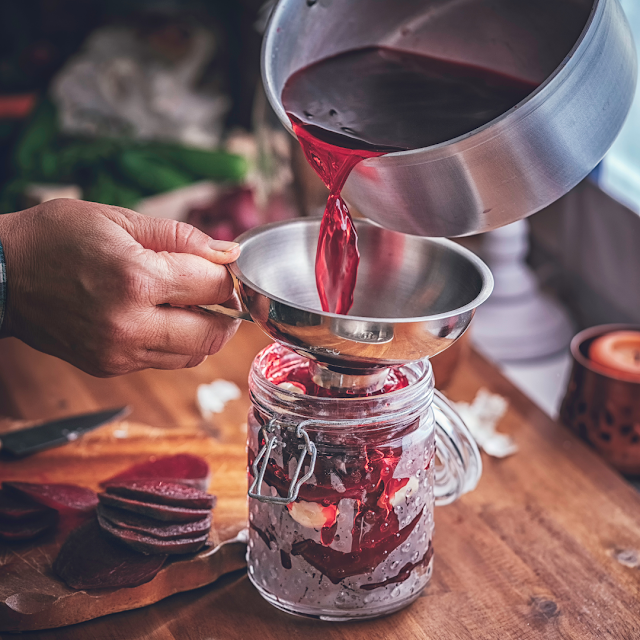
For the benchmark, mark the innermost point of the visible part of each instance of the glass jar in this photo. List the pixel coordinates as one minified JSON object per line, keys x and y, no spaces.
{"x":342,"y":489}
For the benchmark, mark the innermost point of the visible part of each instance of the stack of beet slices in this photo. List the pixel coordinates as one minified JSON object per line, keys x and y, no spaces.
{"x":156,"y":517}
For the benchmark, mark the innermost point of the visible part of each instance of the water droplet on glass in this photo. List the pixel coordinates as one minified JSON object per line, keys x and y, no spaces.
{"x":307,"y":115}
{"x":341,"y":599}
{"x":348,"y":130}
{"x":406,"y":547}
{"x":396,"y":592}
{"x":333,"y":113}
{"x":385,"y":527}
{"x":415,"y":556}
{"x":394,"y":565}
{"x":369,"y":516}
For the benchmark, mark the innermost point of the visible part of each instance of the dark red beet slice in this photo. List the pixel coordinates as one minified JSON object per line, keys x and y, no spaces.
{"x":57,"y":496}
{"x":161,"y":492}
{"x":151,"y":526}
{"x":150,"y":545}
{"x":158,"y":511}
{"x":90,"y":559}
{"x":183,"y":468}
{"x":13,"y":530}
{"x":14,"y":508}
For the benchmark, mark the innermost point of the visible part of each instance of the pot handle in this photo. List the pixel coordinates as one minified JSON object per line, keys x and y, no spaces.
{"x":458,"y":461}
{"x":236,"y":314}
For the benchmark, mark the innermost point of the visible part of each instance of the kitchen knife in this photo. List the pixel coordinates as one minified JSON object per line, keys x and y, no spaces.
{"x":23,"y":442}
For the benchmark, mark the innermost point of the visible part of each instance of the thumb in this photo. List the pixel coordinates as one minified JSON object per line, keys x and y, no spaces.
{"x":162,"y":234}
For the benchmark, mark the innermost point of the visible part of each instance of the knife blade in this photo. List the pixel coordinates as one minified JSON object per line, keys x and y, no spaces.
{"x":55,"y":433}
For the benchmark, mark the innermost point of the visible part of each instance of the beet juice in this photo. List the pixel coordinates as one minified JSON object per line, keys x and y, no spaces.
{"x":366,"y":102}
{"x":356,"y":542}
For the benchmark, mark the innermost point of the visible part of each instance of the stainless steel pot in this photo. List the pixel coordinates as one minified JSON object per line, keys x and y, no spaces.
{"x":581,"y":51}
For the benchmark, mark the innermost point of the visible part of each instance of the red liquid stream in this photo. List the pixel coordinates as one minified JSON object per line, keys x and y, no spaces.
{"x":367,"y":102}
{"x":337,"y":256}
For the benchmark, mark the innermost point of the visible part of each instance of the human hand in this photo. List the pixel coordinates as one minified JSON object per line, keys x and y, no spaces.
{"x":92,"y":284}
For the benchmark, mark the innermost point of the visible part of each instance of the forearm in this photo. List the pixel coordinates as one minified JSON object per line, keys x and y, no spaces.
{"x":3,"y":286}
{"x":10,"y":240}
{"x":4,"y":232}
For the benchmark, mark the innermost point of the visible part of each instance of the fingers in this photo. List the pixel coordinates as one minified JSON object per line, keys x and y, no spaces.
{"x":160,"y":360}
{"x":185,"y":280}
{"x":160,"y":234}
{"x":188,"y":333}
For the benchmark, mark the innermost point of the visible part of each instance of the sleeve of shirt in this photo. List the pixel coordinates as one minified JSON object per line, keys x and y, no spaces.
{"x":3,"y":285}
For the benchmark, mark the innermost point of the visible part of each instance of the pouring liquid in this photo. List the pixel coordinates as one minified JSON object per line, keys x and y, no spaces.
{"x":367,"y":102}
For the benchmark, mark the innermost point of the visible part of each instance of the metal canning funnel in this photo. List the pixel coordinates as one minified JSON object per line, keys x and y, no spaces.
{"x":414,"y":296}
{"x":581,"y":53}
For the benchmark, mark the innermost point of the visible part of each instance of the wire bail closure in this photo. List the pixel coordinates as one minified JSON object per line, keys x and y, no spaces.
{"x":271,"y":440}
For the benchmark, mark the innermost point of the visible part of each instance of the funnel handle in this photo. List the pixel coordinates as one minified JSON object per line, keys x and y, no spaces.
{"x":458,"y":461}
{"x":218,"y":309}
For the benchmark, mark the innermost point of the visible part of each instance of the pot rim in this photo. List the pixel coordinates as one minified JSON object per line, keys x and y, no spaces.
{"x":505,"y":121}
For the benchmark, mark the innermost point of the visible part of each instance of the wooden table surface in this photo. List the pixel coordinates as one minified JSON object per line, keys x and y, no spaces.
{"x":548,"y":546}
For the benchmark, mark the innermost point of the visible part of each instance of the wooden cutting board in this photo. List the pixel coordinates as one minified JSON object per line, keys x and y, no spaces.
{"x":32,"y":597}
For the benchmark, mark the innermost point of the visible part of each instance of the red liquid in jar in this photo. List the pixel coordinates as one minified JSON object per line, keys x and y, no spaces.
{"x":299,"y":375}
{"x":367,"y":102}
{"x":366,"y":477}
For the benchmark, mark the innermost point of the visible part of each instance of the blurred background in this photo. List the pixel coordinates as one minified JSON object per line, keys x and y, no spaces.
{"x":157,"y":105}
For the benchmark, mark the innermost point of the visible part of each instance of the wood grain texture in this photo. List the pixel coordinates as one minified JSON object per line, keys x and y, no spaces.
{"x":547,"y":547}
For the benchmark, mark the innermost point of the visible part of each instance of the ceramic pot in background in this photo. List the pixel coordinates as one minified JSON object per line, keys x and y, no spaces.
{"x":603,"y":409}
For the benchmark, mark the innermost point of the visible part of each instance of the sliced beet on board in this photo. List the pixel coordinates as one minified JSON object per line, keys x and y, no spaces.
{"x":23,"y":519}
{"x":14,"y":508}
{"x":27,"y":528}
{"x":158,"y":511}
{"x":150,"y":545}
{"x":184,"y":468}
{"x":57,"y":496}
{"x":90,"y":559}
{"x":161,"y":492}
{"x":151,"y":526}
